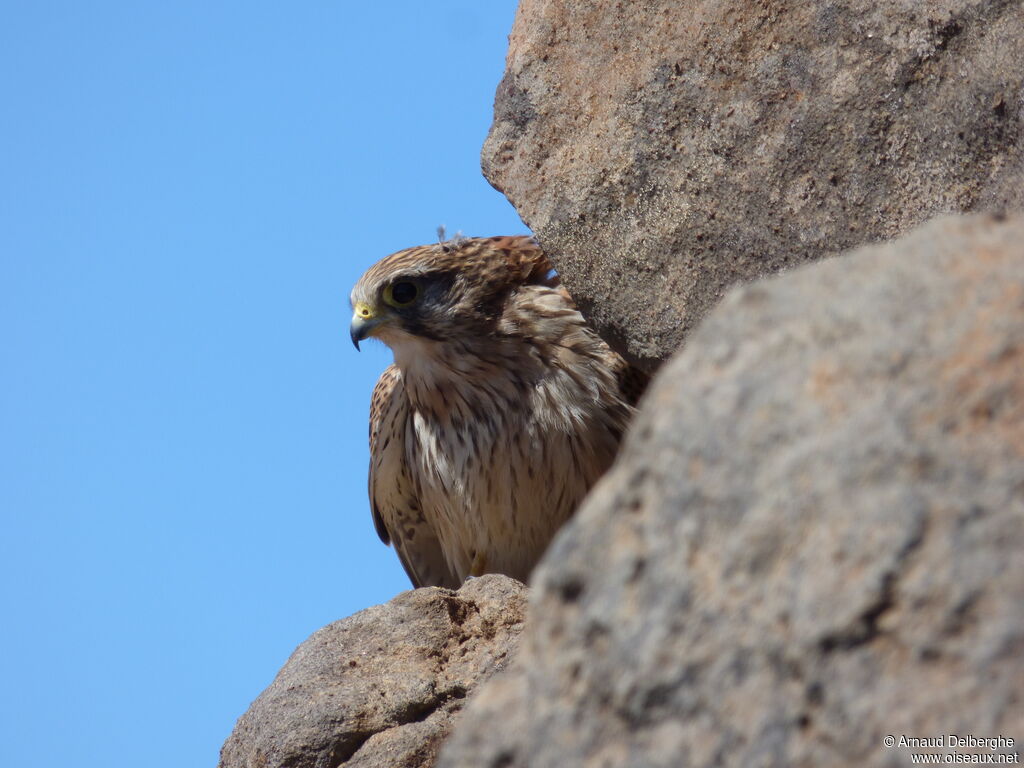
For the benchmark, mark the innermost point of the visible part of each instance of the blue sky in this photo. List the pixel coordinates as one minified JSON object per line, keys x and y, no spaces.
{"x":188,"y":191}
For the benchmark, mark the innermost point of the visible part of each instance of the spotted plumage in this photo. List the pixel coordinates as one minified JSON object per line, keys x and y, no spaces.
{"x":500,"y":412}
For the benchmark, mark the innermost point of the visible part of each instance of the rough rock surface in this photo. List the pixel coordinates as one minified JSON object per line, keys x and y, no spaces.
{"x":664,"y":150}
{"x":382,"y":687}
{"x":814,"y":536}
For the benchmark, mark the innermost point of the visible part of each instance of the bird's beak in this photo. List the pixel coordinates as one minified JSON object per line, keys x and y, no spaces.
{"x":364,"y":320}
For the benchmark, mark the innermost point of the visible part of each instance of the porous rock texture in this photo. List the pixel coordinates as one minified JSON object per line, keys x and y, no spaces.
{"x":813,"y":538}
{"x":382,"y":687}
{"x":663,"y":150}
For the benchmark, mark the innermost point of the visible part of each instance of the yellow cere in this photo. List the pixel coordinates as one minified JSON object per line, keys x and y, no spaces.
{"x":363,"y":310}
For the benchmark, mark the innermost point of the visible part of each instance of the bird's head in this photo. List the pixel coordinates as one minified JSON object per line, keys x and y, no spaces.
{"x":439,"y":292}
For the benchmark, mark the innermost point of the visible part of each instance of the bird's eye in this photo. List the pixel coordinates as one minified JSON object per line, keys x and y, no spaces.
{"x":401,"y":294}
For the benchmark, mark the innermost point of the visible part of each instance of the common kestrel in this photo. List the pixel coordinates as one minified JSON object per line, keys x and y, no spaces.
{"x":500,"y":411}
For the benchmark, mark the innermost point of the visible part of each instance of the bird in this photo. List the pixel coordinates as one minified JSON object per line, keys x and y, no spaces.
{"x":501,"y":410}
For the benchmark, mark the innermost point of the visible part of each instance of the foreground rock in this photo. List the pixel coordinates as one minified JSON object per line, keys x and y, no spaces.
{"x":663,"y":151}
{"x":814,"y":536}
{"x":382,"y":687}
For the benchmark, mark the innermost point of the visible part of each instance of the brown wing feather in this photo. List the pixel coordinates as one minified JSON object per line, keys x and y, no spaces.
{"x":380,"y":402}
{"x":396,"y":513}
{"x":526,"y":262}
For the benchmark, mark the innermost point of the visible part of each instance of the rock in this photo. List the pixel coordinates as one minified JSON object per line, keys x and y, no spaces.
{"x":814,"y":536}
{"x":662,"y":152}
{"x":382,"y":687}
